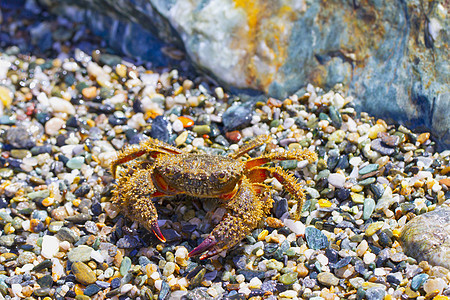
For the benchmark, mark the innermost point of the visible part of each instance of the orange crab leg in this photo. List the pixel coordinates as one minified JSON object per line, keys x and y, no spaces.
{"x":152,"y":147}
{"x":256,"y":142}
{"x":247,"y":207}
{"x":277,"y":156}
{"x":288,"y":180}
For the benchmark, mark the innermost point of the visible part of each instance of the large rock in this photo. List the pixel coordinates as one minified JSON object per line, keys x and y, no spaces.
{"x":393,"y":55}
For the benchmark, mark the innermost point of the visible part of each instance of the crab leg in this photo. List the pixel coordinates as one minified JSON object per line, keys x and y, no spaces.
{"x":288,"y":180}
{"x":151,"y":147}
{"x":133,"y":194}
{"x":277,"y":156}
{"x":247,"y":208}
{"x":256,"y":142}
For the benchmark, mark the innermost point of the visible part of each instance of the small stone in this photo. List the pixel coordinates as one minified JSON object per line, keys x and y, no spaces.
{"x":255,"y":283}
{"x":375,"y":293}
{"x":91,"y":290}
{"x":369,"y":207}
{"x":336,"y":179}
{"x":288,"y":278}
{"x":378,"y":146}
{"x":83,"y":274}
{"x":61,"y":105}
{"x":422,"y":138}
{"x":434,"y":284}
{"x":81,"y":253}
{"x":75,"y":163}
{"x":315,"y":238}
{"x":418,"y":281}
{"x":160,"y":129}
{"x":125,"y":266}
{"x":50,"y":246}
{"x":53,"y":126}
{"x":6,"y":96}
{"x":169,"y":269}
{"x":374,"y":227}
{"x":368,"y":169}
{"x":237,"y":117}
{"x":327,"y":279}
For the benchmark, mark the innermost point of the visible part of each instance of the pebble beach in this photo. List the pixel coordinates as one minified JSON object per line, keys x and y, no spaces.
{"x":66,"y":111}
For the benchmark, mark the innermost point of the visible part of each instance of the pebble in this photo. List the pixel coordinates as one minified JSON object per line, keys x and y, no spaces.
{"x":336,"y":179}
{"x":315,"y":238}
{"x":50,"y":246}
{"x":327,"y":279}
{"x":81,"y":253}
{"x":83,"y":274}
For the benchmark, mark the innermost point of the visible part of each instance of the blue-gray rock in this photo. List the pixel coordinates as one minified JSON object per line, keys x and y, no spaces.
{"x":91,"y":290}
{"x":375,"y":294}
{"x":315,"y":238}
{"x":399,"y":71}
{"x":237,"y":116}
{"x":160,"y":129}
{"x":418,"y":280}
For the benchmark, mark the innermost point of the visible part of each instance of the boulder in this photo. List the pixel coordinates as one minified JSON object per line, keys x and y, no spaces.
{"x":392,"y":55}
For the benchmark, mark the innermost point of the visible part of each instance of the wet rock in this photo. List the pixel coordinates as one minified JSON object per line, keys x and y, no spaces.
{"x":160,"y":129}
{"x":426,"y":237}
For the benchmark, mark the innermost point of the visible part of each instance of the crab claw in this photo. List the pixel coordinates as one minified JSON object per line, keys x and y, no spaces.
{"x":157,"y":232}
{"x":206,"y":245}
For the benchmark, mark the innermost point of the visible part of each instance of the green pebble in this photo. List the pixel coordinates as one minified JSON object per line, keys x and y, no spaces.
{"x":289,"y":164}
{"x":367,"y":181}
{"x":55,"y":226}
{"x":288,"y":278}
{"x":274,"y":123}
{"x":81,"y":253}
{"x":125,"y":266}
{"x":201,"y":129}
{"x":337,"y":136}
{"x":226,"y":276}
{"x":20,"y":153}
{"x":369,"y":206}
{"x":368,"y":169}
{"x":290,"y":252}
{"x":75,"y":163}
{"x":5,"y":218}
{"x":275,"y":265}
{"x":6,"y":172}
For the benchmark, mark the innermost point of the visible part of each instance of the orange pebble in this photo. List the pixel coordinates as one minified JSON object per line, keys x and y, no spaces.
{"x":187,"y":122}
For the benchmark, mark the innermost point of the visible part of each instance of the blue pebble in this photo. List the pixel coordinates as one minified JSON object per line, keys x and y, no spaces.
{"x":315,"y":238}
{"x":160,"y":129}
{"x":418,"y":281}
{"x":91,"y":290}
{"x":237,"y":116}
{"x":115,"y":283}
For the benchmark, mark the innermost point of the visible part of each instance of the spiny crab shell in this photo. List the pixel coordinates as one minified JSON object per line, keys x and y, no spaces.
{"x":238,"y":184}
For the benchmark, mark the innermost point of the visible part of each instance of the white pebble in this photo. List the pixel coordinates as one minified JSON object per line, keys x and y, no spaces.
{"x":97,"y":256}
{"x":61,"y":105}
{"x":126,"y":288}
{"x":289,"y":294}
{"x":16,"y":288}
{"x":255,"y":283}
{"x":181,"y":252}
{"x":322,"y":259}
{"x":53,"y":125}
{"x":50,"y":246}
{"x":338,"y":101}
{"x":296,"y":226}
{"x":64,"y":245}
{"x":355,"y":161}
{"x":336,"y":179}
{"x":4,"y":67}
{"x":177,"y":126}
{"x":158,"y":284}
{"x":369,"y":258}
{"x":288,"y":123}
{"x":212,"y":292}
{"x":240,"y":278}
{"x":70,"y":66}
{"x":198,"y":142}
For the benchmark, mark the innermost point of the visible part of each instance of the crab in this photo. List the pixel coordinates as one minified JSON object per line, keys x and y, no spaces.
{"x":236,"y":182}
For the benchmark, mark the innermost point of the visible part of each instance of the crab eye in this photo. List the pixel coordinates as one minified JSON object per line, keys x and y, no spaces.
{"x":220,"y":175}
